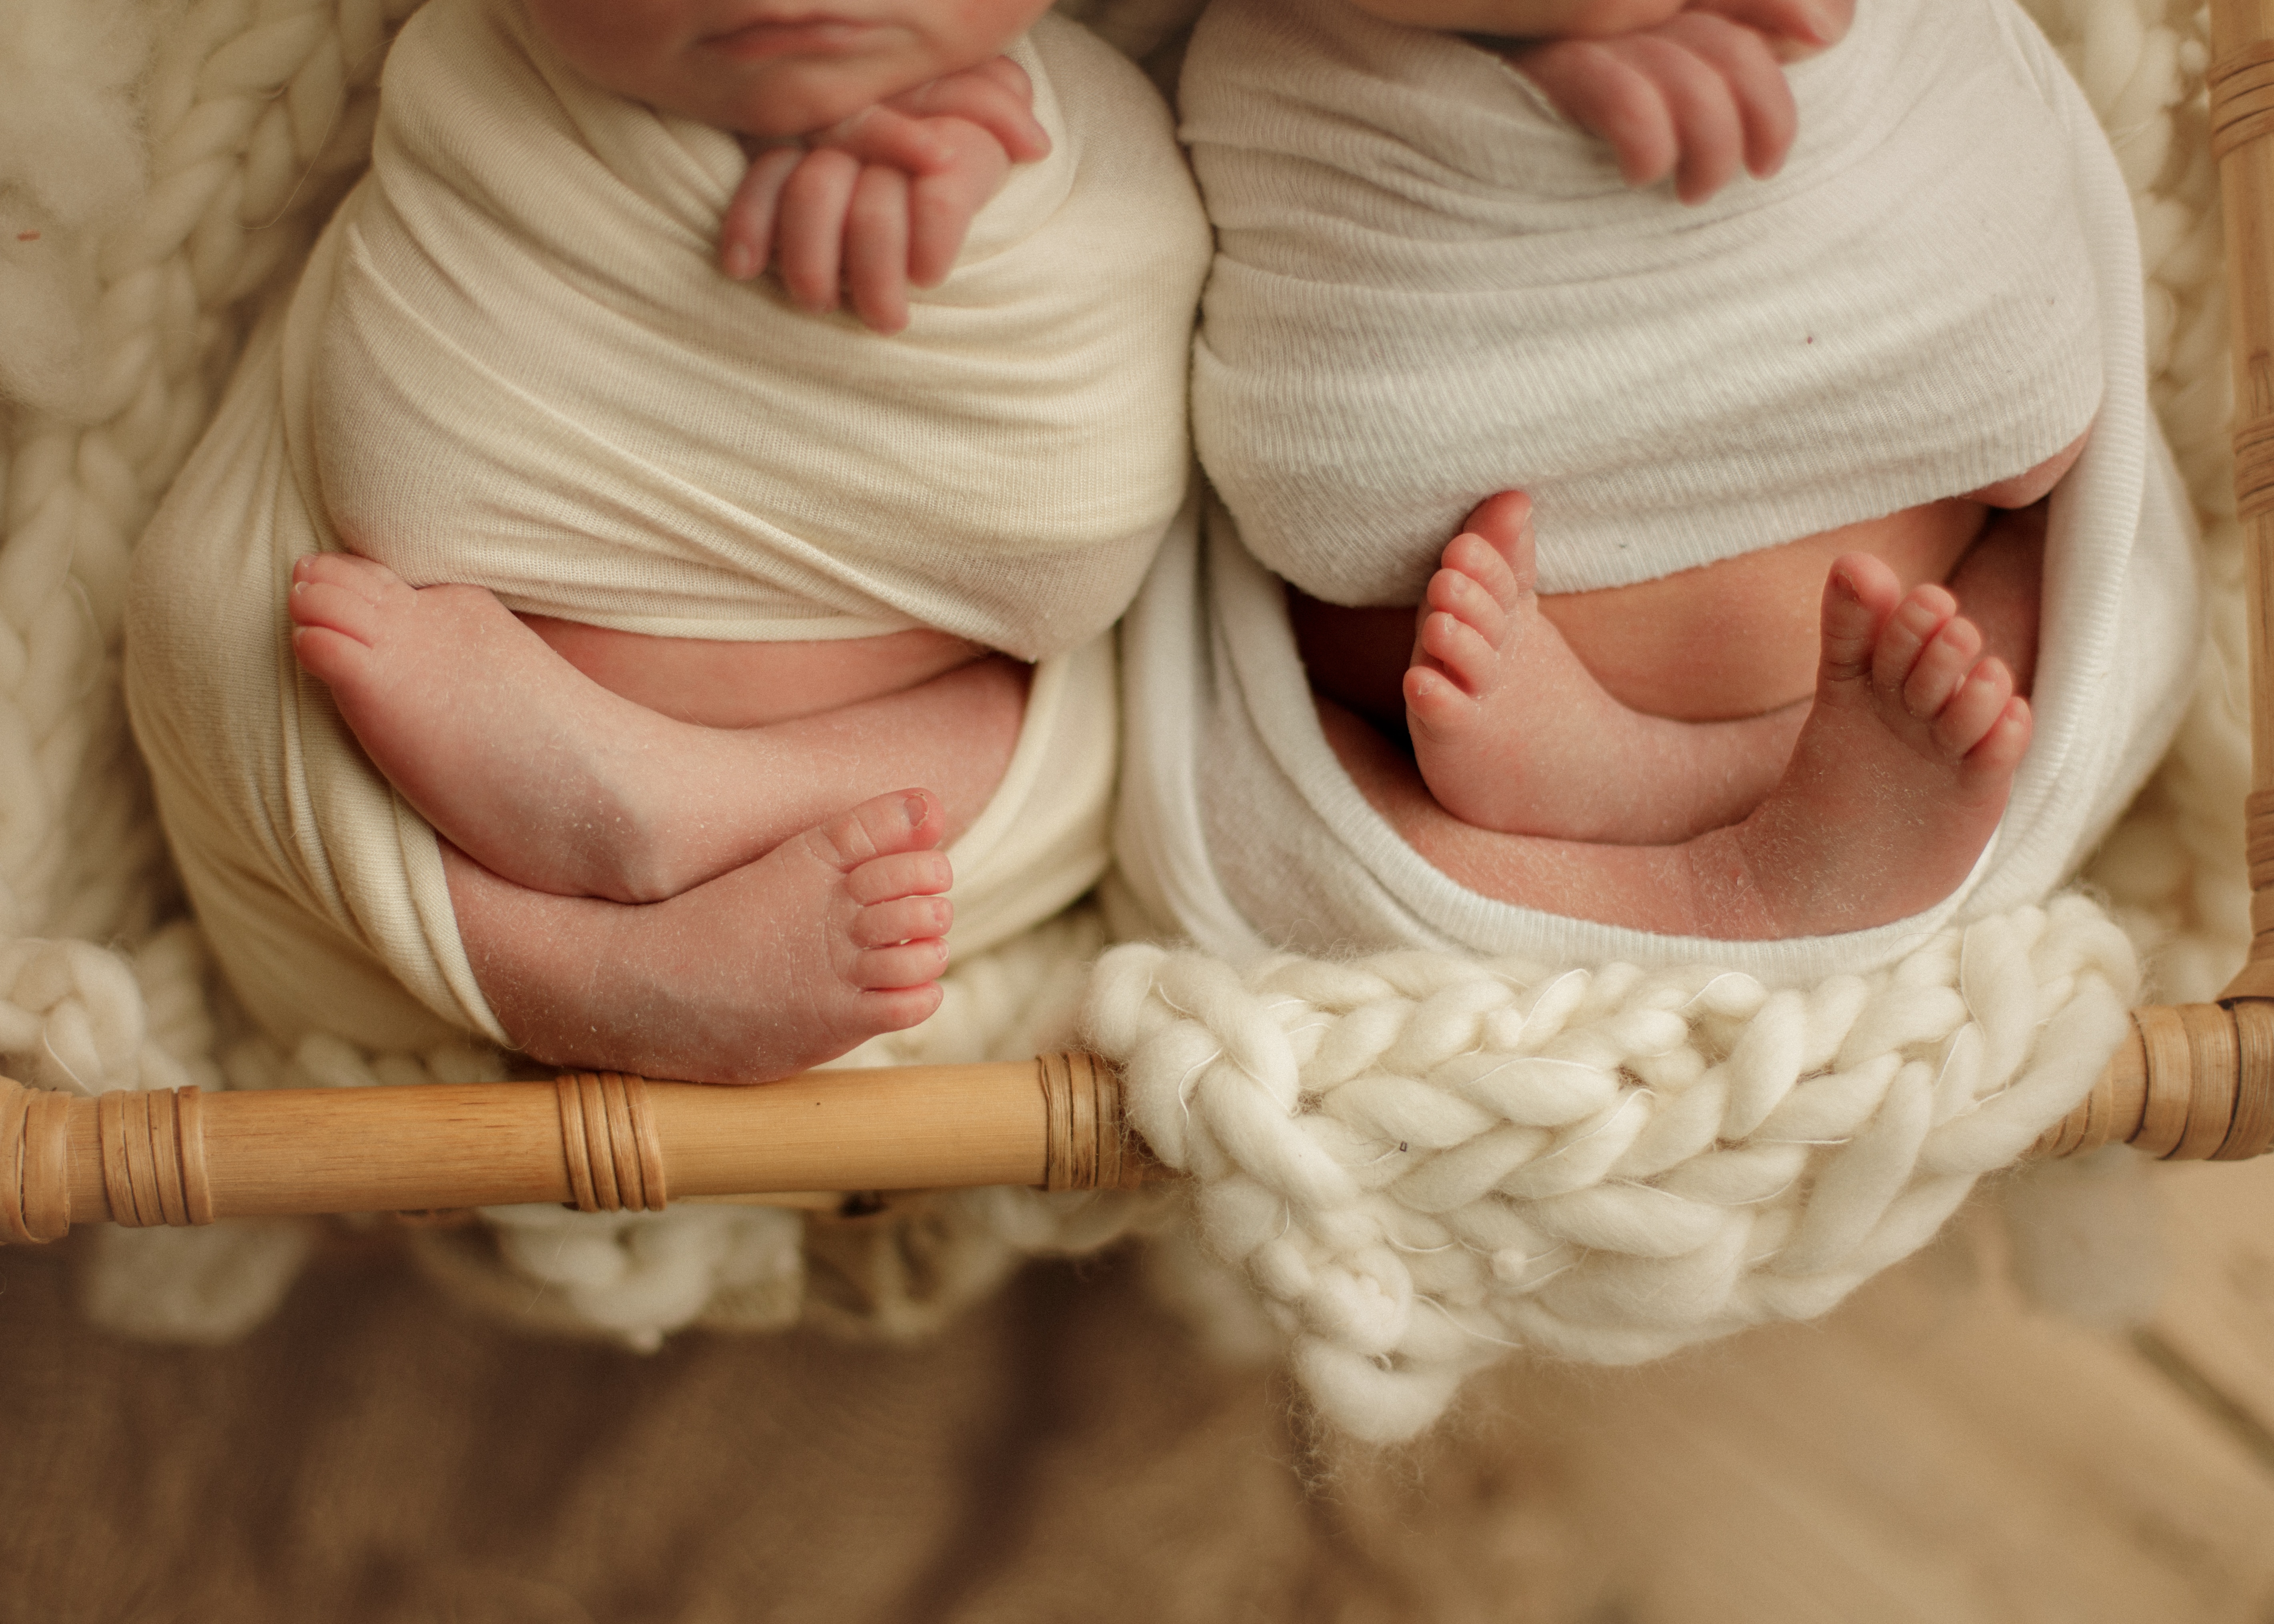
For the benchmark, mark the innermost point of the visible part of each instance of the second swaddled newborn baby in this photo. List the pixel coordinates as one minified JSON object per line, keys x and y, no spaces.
{"x":1429,"y":288}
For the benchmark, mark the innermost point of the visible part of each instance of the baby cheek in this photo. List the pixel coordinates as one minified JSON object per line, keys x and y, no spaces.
{"x":628,"y":47}
{"x":1601,"y":18}
{"x":982,"y":28}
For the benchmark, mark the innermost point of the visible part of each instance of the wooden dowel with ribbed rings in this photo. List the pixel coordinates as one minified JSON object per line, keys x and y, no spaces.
{"x":598,"y":1141}
{"x":2191,"y":1083}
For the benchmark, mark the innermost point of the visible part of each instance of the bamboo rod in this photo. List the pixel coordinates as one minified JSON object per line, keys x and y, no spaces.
{"x":2191,"y":1083}
{"x":601,"y":1142}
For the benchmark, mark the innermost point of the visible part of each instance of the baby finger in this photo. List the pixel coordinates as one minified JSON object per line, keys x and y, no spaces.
{"x":809,"y":227}
{"x":1709,"y":134}
{"x":886,"y":135}
{"x":876,"y":249}
{"x":1000,"y":102}
{"x":746,"y":234}
{"x":1794,"y":29}
{"x":941,"y":208}
{"x":1747,"y":66}
{"x":1597,"y":88}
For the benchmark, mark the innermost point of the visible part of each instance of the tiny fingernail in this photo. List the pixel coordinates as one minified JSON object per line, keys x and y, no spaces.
{"x":917,"y":809}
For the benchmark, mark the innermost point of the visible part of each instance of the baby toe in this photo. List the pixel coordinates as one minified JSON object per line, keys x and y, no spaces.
{"x":1917,"y":621}
{"x":904,"y":918}
{"x":1860,"y":592}
{"x":2001,"y":749}
{"x":1966,"y":720}
{"x":900,"y":965}
{"x":897,"y":1009}
{"x":908,"y":820}
{"x":324,"y":605}
{"x":1477,"y":580}
{"x":1504,"y":522}
{"x":1433,"y":703}
{"x":1468,"y":658}
{"x":374,"y":583}
{"x":924,"y":873}
{"x":1947,"y":660}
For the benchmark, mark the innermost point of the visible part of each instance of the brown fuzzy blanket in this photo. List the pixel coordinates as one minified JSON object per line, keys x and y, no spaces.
{"x":376,"y":1455}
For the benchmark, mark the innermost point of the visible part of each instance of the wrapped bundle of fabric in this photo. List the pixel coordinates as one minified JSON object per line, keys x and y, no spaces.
{"x":1672,"y":383}
{"x":706,"y":461}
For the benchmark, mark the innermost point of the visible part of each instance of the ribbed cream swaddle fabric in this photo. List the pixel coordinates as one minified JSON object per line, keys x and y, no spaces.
{"x":533,"y":378}
{"x":1238,"y":828}
{"x":539,"y":384}
{"x":1429,"y":288}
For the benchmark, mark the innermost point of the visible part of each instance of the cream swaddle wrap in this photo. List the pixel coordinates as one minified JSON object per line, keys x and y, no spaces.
{"x":702,"y":459}
{"x":1240,"y":828}
{"x":510,"y":361}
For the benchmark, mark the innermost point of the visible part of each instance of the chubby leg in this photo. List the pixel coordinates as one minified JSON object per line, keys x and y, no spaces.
{"x":1895,"y":786}
{"x":832,"y":938}
{"x":552,"y":782}
{"x":1512,"y":733}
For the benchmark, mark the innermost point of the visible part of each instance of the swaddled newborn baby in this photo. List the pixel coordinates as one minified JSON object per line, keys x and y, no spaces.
{"x":644,"y":585}
{"x":1673,"y":716}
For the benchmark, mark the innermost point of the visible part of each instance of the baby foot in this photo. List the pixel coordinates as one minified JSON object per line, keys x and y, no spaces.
{"x":835,"y":935}
{"x":844,"y":933}
{"x":1513,"y":733}
{"x":1467,"y":706}
{"x":1902,"y":768}
{"x":552,"y":781}
{"x":492,"y":736}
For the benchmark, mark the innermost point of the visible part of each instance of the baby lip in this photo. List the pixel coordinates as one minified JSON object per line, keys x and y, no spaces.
{"x":803,"y":32}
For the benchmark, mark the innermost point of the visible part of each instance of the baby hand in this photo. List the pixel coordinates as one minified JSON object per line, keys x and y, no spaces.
{"x":1694,"y":95}
{"x":863,"y":209}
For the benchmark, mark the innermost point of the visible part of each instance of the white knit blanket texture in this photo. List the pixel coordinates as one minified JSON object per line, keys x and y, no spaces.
{"x":165,"y":170}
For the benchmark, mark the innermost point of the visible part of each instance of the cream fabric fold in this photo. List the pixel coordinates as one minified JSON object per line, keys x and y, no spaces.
{"x":321,"y":891}
{"x":1239,"y":830}
{"x":1429,"y":287}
